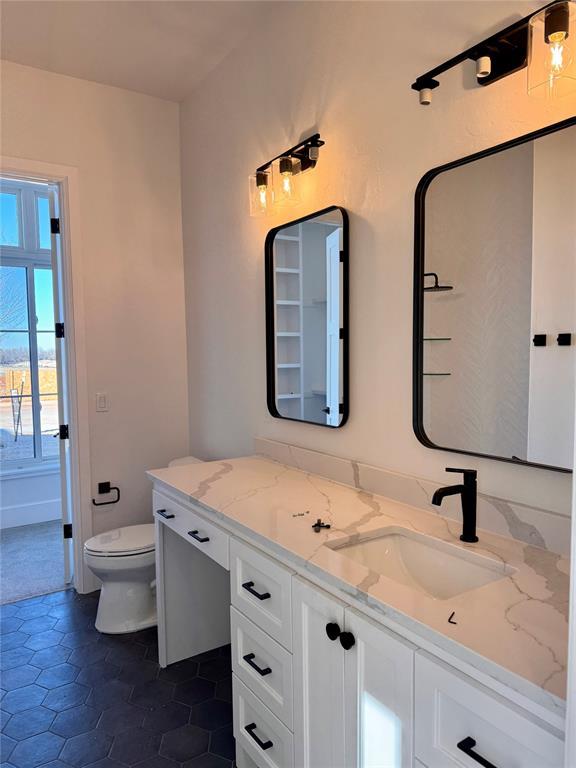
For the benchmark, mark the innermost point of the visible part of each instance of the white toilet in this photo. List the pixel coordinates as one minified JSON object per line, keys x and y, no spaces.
{"x":124,"y":561}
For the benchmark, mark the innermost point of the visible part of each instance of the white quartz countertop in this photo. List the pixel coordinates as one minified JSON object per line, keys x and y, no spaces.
{"x":518,"y":624}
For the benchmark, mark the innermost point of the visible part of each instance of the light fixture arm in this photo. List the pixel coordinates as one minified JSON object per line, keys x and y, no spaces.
{"x":507,"y":50}
{"x":299,"y":152}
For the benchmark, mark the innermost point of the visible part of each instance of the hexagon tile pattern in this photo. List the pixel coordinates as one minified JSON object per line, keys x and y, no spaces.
{"x":73,"y":698}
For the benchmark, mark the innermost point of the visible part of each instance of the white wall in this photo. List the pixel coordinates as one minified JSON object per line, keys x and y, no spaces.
{"x":126,"y":149}
{"x":29,"y":498}
{"x":345,"y":69}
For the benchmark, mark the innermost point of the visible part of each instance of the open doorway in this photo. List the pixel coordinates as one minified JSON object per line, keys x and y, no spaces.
{"x":33,"y":481}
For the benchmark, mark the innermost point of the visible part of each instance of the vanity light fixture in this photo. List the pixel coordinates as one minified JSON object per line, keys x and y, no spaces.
{"x":544,"y":42}
{"x":274,"y":182}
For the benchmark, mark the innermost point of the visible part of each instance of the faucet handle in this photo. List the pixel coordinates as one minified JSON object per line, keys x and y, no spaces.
{"x":471,"y":474}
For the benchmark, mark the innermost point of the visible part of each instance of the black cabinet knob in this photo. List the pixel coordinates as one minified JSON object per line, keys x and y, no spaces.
{"x":347,"y":640}
{"x":333,"y":630}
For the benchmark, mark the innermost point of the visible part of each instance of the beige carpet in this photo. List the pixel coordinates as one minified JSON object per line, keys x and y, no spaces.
{"x":31,"y":560}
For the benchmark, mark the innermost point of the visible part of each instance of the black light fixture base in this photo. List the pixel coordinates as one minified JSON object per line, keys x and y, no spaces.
{"x":300,"y":152}
{"x":507,"y":49}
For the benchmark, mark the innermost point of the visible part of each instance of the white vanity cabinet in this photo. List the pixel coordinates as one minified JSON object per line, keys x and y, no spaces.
{"x":316,"y":683}
{"x":353,"y":687}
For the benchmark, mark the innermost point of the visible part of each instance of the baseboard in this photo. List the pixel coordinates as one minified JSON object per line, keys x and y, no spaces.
{"x":29,"y":514}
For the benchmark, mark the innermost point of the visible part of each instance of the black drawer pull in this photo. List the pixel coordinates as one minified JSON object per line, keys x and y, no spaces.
{"x":249,"y":587}
{"x":164,"y":514}
{"x":467,"y":746}
{"x":201,"y":539}
{"x":249,"y":659}
{"x":347,"y":640}
{"x":262,"y":744}
{"x":333,"y":630}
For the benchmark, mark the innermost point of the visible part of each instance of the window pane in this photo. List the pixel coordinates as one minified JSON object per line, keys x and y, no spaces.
{"x":16,"y":428}
{"x":9,"y":229}
{"x":48,"y":382}
{"x":44,"y":299}
{"x":43,"y":212}
{"x":14,"y":363}
{"x":49,"y":425}
{"x":13,"y":299}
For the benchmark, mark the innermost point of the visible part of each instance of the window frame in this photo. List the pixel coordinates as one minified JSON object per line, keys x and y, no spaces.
{"x":31,"y":257}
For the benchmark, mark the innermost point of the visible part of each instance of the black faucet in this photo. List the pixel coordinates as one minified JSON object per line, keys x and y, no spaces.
{"x":468,"y":491}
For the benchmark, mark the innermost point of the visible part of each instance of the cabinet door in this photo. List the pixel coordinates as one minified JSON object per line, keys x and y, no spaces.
{"x":318,"y":680}
{"x":379,"y":684}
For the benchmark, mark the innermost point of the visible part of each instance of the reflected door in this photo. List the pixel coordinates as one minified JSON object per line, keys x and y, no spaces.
{"x":333,"y":314}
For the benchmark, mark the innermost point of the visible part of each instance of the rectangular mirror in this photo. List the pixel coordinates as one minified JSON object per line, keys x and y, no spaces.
{"x":494,"y":302}
{"x":307,"y":319}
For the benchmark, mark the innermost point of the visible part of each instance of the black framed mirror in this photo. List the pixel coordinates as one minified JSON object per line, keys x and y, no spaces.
{"x":494,"y":302}
{"x":307,"y":335}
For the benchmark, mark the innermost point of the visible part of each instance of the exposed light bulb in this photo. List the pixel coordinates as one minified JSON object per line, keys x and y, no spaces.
{"x":286,"y":184}
{"x":551,"y":55}
{"x":260,"y":193}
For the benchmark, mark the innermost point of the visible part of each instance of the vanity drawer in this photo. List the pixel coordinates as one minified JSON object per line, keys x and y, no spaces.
{"x":208,"y":538}
{"x":458,"y":720}
{"x":263,"y":665}
{"x":258,"y":732}
{"x":262,"y":590}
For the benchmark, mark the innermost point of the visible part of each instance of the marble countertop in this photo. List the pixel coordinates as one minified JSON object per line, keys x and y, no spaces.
{"x":518,"y":624}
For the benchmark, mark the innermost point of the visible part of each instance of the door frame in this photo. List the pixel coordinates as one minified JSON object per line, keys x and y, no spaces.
{"x":67,"y":179}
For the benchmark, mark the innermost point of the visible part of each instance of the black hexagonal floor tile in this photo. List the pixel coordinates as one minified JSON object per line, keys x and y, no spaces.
{"x":26,"y":612}
{"x":37,"y":750}
{"x":66,"y":696}
{"x":29,"y":723}
{"x":39,"y":624}
{"x":23,"y":698}
{"x":179,"y":672}
{"x":184,"y":743}
{"x":13,"y":640}
{"x":215,"y":669}
{"x":44,"y":639}
{"x":137,"y":672}
{"x":108,"y":694}
{"x":121,"y":717}
{"x":14,"y":657}
{"x":134,"y":746}
{"x":167,"y":717}
{"x":62,"y":711}
{"x":17,"y":677}
{"x":212,"y":714}
{"x":50,"y":657}
{"x":100,"y":671}
{"x":54,"y":677}
{"x":208,"y":760}
{"x":194,"y":691}
{"x":222,"y":742}
{"x":74,"y":721}
{"x":86,"y":748}
{"x":152,"y":694}
{"x":10,"y":624}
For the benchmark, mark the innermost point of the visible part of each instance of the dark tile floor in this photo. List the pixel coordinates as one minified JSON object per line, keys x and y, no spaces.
{"x":71,"y":697}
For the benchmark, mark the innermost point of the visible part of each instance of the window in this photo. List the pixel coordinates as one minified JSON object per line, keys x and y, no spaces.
{"x":28,"y":373}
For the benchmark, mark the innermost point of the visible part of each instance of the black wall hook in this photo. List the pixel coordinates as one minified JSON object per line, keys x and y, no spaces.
{"x":107,"y":488}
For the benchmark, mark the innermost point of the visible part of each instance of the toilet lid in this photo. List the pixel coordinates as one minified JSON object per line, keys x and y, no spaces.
{"x":129,"y":540}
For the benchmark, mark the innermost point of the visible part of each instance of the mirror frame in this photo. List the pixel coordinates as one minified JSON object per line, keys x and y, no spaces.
{"x":344,"y":328}
{"x":418,"y":308}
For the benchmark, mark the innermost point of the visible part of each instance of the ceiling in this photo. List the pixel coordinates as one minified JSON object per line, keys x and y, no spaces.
{"x":163,"y":48}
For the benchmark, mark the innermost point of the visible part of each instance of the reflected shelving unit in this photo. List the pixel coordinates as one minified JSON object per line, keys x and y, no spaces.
{"x":288,"y":307}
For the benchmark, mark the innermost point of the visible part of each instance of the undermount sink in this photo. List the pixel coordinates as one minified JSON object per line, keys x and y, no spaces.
{"x":439,"y":569}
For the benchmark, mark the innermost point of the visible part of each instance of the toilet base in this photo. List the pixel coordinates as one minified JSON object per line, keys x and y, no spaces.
{"x":125,"y":607}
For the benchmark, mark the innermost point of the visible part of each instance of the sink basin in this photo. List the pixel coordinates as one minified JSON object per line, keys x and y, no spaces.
{"x":435,"y":567}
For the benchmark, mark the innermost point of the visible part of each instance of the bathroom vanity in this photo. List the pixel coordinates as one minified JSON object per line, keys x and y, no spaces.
{"x":381,"y":640}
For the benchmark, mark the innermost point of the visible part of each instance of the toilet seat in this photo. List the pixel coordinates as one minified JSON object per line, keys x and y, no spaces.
{"x":122,"y":542}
